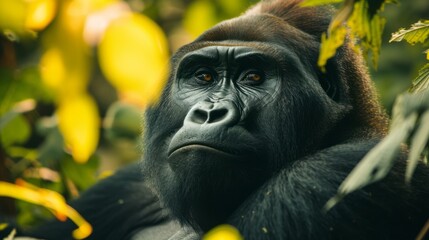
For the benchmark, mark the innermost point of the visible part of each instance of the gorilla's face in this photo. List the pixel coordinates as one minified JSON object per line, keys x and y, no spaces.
{"x":214,"y":156}
{"x":220,"y":88}
{"x":227,"y":121}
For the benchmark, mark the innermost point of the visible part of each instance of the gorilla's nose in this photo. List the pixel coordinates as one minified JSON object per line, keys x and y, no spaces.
{"x":221,"y":113}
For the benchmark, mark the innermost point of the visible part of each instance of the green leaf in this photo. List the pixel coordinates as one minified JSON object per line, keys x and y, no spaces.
{"x":51,"y":150}
{"x":336,"y":35}
{"x":329,"y":45}
{"x":6,"y":118}
{"x":312,"y":3}
{"x":123,"y":121}
{"x":410,"y":121}
{"x":418,"y":32}
{"x":17,"y":130}
{"x":421,"y":82}
{"x":363,"y":19}
{"x":83,"y":175}
{"x":377,"y":163}
{"x":367,"y":25}
{"x":417,"y":145}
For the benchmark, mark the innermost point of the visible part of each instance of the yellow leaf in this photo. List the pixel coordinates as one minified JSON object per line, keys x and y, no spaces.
{"x":199,"y":17}
{"x":368,"y":28}
{"x":312,"y":3}
{"x":3,"y":226}
{"x":64,"y":67}
{"x":223,"y":232}
{"x":79,"y":123}
{"x":12,"y":14}
{"x":133,"y":57}
{"x":40,"y":13}
{"x":49,"y":199}
{"x":52,"y":68}
{"x":329,"y":45}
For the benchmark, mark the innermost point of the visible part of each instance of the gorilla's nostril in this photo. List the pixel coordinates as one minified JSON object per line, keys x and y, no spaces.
{"x":199,"y":116}
{"x":217,"y":115}
{"x":211,"y":114}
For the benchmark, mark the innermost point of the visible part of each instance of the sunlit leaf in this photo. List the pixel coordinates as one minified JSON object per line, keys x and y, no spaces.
{"x":79,"y":123}
{"x":418,"y":32}
{"x":65,"y":69}
{"x":85,"y":229}
{"x":40,"y":13}
{"x":329,"y":45}
{"x":223,"y":232}
{"x":311,"y":3}
{"x":12,"y":15}
{"x":65,"y":64}
{"x":422,"y":80}
{"x":53,"y":69}
{"x":3,"y":226}
{"x":11,"y":235}
{"x":335,"y":37}
{"x":365,"y":23}
{"x":368,"y":26}
{"x":49,"y":199}
{"x":133,"y":56}
{"x":199,"y":17}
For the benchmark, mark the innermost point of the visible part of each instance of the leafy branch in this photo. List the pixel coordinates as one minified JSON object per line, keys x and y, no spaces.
{"x":361,"y":19}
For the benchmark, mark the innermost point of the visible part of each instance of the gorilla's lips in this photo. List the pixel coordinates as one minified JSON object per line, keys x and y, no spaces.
{"x":229,"y":143}
{"x":208,"y":147}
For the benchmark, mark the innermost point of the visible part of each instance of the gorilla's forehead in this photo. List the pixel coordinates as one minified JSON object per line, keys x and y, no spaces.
{"x":234,"y":51}
{"x":242,"y":51}
{"x":229,"y":54}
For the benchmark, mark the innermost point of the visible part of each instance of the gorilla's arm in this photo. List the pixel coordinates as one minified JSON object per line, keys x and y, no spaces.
{"x":117,"y":207}
{"x":290,"y":205}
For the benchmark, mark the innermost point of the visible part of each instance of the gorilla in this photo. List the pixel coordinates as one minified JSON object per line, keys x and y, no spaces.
{"x":249,"y":132}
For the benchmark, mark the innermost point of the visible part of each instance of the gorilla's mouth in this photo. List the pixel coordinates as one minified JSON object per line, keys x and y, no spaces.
{"x":204,"y":147}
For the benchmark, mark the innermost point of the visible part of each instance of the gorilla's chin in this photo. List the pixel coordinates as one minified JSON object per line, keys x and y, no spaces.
{"x":206,"y":183}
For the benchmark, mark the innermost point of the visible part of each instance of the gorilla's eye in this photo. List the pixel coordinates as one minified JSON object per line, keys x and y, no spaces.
{"x":204,"y":76}
{"x":253,"y":78}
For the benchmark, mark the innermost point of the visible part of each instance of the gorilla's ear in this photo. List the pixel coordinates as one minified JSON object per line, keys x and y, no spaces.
{"x":332,"y":82}
{"x":347,"y":82}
